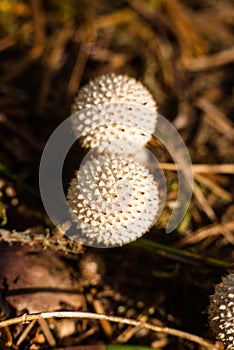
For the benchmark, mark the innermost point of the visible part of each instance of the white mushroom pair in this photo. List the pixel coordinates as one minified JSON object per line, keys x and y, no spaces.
{"x":113,"y":199}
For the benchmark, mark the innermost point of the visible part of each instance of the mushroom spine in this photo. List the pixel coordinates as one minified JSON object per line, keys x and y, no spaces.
{"x":221,"y":311}
{"x":112,"y":201}
{"x":114,"y":107}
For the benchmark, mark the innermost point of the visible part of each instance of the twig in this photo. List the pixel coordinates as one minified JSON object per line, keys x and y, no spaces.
{"x":197,"y":191}
{"x":113,"y":19}
{"x":38,"y":22}
{"x":185,"y":30}
{"x":211,"y":230}
{"x":54,"y":61}
{"x":209,"y":62}
{"x":47,"y":332}
{"x":86,"y":36}
{"x":150,"y":13}
{"x":141,"y":29}
{"x":88,"y":315}
{"x":86,"y":334}
{"x":203,"y":168}
{"x":128,"y":333}
{"x":202,"y":201}
{"x":81,"y":59}
{"x":105,"y":324}
{"x":8,"y":336}
{"x":25,"y":332}
{"x":216,"y":118}
{"x":206,"y":168}
{"x":212,"y":186}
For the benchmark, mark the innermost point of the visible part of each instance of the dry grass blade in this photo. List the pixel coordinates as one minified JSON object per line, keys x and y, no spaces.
{"x":212,"y":186}
{"x":105,"y":324}
{"x":115,"y":18}
{"x":86,"y":334}
{"x":25,"y":332}
{"x":54,"y":61}
{"x":39,"y":23}
{"x":142,"y":30}
{"x":81,"y":59}
{"x":209,"y":62}
{"x":205,"y":232}
{"x":47,"y":332}
{"x":216,"y":118}
{"x":203,"y":168}
{"x":86,"y":36}
{"x":138,"y":28}
{"x":128,"y":333}
{"x":8,"y":338}
{"x":190,"y":41}
{"x":204,"y":205}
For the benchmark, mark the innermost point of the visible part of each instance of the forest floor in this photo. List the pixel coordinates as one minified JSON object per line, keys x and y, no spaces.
{"x":183,"y":51}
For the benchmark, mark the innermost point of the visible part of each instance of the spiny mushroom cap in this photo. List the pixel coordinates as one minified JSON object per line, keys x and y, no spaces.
{"x":221,"y":311}
{"x":111,"y":88}
{"x":113,"y":201}
{"x":109,"y":109}
{"x":116,"y":121}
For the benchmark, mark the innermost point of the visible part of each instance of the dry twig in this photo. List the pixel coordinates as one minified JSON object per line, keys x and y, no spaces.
{"x":213,"y":187}
{"x":202,"y":201}
{"x":208,"y":231}
{"x":88,"y":315}
{"x":209,"y":62}
{"x":203,"y":168}
{"x":216,"y":118}
{"x":128,"y":333}
{"x":189,"y":39}
{"x":105,"y":324}
{"x":47,"y":332}
{"x":25,"y":332}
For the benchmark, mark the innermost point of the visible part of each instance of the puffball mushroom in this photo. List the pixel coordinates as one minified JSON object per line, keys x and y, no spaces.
{"x":114,"y":107}
{"x":111,"y":88}
{"x":221,"y":311}
{"x":112,"y":201}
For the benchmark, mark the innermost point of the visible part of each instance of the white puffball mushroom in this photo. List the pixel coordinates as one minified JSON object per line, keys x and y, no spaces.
{"x":112,"y":201}
{"x":114,"y":107}
{"x":111,"y":88}
{"x":221,"y":311}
